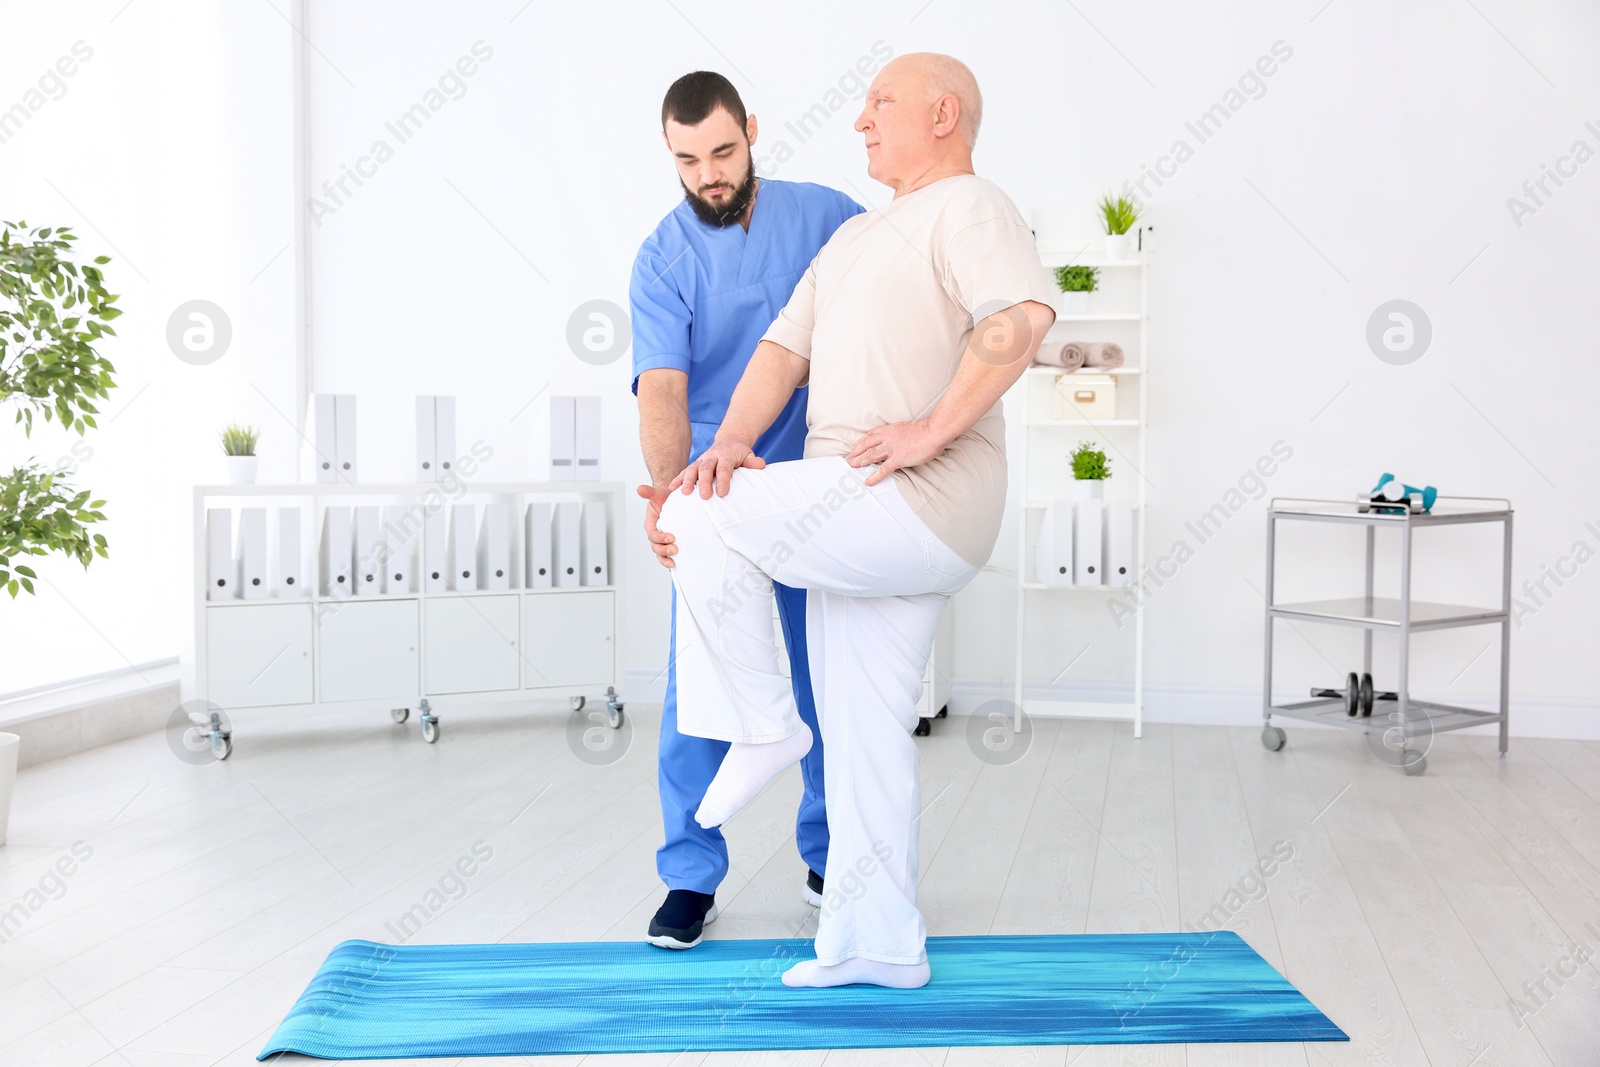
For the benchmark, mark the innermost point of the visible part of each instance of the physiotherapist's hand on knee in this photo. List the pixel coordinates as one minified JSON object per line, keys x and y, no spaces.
{"x":714,"y":469}
{"x":663,"y":544}
{"x":896,"y":445}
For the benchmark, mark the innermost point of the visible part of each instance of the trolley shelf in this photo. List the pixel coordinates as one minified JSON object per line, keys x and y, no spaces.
{"x":1425,"y":717}
{"x":1383,"y":613}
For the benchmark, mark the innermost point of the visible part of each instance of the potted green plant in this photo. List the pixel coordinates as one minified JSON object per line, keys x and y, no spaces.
{"x":1090,"y":470}
{"x":1076,"y":283}
{"x":1118,"y":216}
{"x":239,"y":445}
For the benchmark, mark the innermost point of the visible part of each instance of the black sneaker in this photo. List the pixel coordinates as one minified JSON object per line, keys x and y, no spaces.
{"x":813,"y":888}
{"x":679,"y":921}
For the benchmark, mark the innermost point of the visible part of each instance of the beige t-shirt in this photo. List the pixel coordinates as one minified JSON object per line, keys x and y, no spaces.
{"x":884,"y":315}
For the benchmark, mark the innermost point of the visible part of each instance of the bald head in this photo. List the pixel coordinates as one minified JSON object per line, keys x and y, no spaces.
{"x":936,"y":76}
{"x":920,"y":120}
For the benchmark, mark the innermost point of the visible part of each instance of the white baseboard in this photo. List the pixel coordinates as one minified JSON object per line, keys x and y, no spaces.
{"x":1554,"y":717}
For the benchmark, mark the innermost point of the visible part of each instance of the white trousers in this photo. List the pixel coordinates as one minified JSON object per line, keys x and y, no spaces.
{"x":876,"y":580}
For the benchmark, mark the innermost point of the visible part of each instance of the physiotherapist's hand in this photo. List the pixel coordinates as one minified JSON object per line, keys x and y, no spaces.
{"x":714,"y":469}
{"x":897,"y":445}
{"x":663,"y":544}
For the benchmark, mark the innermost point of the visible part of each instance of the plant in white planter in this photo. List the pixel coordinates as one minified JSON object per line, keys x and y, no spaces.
{"x":239,"y":444}
{"x":1118,"y":216}
{"x":1090,"y":470}
{"x":1076,"y":283}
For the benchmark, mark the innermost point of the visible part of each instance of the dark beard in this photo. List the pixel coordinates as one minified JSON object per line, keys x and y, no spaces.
{"x":721,"y":217}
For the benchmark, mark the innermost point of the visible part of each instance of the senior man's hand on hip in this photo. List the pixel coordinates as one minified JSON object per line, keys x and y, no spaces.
{"x":663,"y":544}
{"x":713,"y":471}
{"x":896,"y":445}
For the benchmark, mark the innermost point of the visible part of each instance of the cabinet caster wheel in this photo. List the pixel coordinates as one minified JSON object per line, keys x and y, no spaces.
{"x":1413,"y":762}
{"x":430,"y":730}
{"x":1273,"y":738}
{"x":924,"y":727}
{"x":943,"y":713}
{"x":614,"y":715}
{"x":221,"y":745}
{"x":399,"y":714}
{"x":576,"y":703}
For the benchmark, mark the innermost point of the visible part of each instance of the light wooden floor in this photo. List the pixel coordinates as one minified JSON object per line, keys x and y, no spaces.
{"x":1412,"y":910}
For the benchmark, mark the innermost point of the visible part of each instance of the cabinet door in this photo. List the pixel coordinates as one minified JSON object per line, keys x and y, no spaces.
{"x":368,"y":650}
{"x":571,"y":639}
{"x":258,"y":654}
{"x":471,"y":643}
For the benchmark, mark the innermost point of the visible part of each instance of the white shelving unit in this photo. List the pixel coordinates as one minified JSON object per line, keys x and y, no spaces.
{"x":1125,"y":280}
{"x":404,"y":649}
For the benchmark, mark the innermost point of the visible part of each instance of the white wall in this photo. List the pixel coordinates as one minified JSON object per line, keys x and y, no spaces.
{"x":167,"y":150}
{"x":1375,"y":163}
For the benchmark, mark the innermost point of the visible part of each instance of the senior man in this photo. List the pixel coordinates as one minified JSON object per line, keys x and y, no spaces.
{"x":908,"y":326}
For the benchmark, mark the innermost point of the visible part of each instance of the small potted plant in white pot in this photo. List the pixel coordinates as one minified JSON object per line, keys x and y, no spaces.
{"x":1089,"y":472}
{"x":239,"y":445}
{"x":1076,"y":283}
{"x":1118,"y":216}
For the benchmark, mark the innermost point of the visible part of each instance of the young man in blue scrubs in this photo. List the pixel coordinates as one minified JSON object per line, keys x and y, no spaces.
{"x":706,"y":285}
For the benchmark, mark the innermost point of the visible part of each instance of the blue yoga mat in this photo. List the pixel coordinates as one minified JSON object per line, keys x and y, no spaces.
{"x":373,"y":1001}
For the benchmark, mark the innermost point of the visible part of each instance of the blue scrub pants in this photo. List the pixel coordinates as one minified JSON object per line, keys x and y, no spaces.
{"x":696,"y":858}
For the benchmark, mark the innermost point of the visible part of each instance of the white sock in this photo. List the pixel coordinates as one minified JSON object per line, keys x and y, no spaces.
{"x":745,"y":771}
{"x":810,"y":973}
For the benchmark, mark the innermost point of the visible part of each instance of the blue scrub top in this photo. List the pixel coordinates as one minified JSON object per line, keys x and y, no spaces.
{"x":702,"y":296}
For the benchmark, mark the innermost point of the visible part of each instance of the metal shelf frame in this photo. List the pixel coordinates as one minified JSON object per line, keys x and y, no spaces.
{"x":1398,"y":615}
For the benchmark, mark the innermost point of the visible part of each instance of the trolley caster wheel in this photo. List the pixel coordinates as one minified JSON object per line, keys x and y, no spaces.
{"x":1413,"y":762}
{"x":221,"y":745}
{"x":614,"y":715}
{"x":399,"y":714}
{"x":576,"y":703}
{"x":1273,"y":738}
{"x":924,"y":727}
{"x":943,"y":713}
{"x":1364,"y":694}
{"x":430,"y":730}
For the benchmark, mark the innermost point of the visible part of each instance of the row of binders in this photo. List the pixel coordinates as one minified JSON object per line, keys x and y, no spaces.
{"x":1085,"y":542}
{"x":367,"y":550}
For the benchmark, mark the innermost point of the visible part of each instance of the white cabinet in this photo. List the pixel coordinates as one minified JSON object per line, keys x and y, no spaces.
{"x":368,"y":651}
{"x":571,"y":638}
{"x":471,"y":643}
{"x":260,"y":654}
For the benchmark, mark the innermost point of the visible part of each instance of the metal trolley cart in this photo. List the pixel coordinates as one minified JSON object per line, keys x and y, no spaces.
{"x":1352,"y":706}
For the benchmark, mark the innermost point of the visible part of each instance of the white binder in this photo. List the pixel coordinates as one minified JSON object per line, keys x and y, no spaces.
{"x":1119,"y":542}
{"x":565,"y":552}
{"x":436,"y":544}
{"x":539,"y":571}
{"x":444,"y":433}
{"x":336,"y":552}
{"x":1052,"y":553}
{"x":563,"y":438}
{"x":400,"y":533}
{"x":596,"y":567}
{"x":324,"y":436}
{"x":1086,"y":516}
{"x":344,"y":418}
{"x":222,"y":570}
{"x":369,"y":552}
{"x":427,"y":465}
{"x":253,"y":578}
{"x":461,"y":554}
{"x":586,"y":436}
{"x":288,"y":564}
{"x":494,"y":547}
